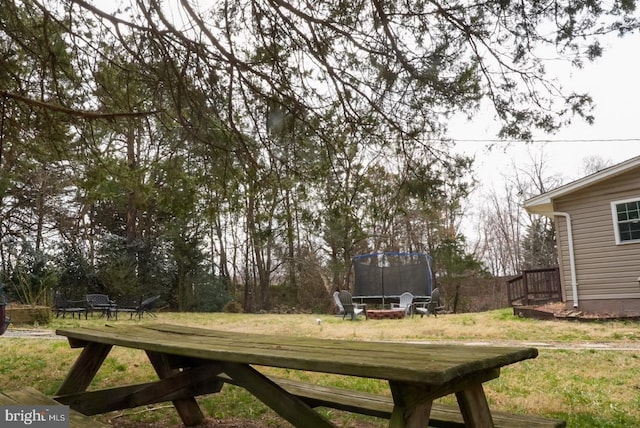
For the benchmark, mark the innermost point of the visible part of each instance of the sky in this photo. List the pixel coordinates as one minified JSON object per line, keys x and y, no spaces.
{"x":614,"y":86}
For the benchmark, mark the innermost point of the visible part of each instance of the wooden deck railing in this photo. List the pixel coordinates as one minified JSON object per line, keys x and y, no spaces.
{"x":535,"y":286}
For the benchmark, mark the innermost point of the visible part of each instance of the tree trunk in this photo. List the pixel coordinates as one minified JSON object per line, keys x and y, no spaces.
{"x":132,"y":211}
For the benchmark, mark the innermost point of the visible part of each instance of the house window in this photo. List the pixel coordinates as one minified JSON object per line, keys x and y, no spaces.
{"x":626,"y":219}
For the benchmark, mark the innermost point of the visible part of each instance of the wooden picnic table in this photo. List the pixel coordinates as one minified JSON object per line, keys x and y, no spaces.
{"x":194,"y":361}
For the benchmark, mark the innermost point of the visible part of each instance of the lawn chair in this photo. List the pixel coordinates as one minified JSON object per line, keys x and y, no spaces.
{"x":431,"y":307}
{"x":406,"y":303}
{"x":350,"y":307}
{"x":336,"y":299}
{"x":64,"y":306}
{"x":4,"y":319}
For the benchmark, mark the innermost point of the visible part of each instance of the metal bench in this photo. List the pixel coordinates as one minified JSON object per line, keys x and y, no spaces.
{"x":102,"y":304}
{"x":29,"y":395}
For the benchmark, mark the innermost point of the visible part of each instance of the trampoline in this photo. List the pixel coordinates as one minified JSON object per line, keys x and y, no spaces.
{"x":384,"y":276}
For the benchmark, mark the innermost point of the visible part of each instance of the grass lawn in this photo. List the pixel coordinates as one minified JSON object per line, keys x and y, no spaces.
{"x":587,"y":373}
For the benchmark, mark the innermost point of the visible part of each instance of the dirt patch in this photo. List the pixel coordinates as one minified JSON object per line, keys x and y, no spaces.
{"x":554,"y":307}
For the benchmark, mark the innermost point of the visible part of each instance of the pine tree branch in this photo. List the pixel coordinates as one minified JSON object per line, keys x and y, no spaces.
{"x":85,"y":114}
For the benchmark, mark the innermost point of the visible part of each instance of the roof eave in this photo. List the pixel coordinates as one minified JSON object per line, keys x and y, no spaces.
{"x":543,"y":204}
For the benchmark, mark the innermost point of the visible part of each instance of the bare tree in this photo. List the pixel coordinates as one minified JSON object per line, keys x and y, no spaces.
{"x":510,"y":239}
{"x":593,"y":164}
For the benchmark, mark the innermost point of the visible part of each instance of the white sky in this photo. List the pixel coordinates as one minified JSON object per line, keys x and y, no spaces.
{"x":614,"y":85}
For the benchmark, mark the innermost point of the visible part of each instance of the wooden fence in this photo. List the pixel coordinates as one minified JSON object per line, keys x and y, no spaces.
{"x":535,"y":286}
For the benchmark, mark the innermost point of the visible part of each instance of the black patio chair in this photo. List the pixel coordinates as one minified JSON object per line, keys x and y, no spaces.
{"x":4,"y":319}
{"x":147,"y":306}
{"x":135,"y":305}
{"x":64,"y":306}
{"x":128,"y":304}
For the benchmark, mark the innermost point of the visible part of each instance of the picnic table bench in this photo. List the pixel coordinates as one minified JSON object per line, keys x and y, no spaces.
{"x":381,"y":406}
{"x":195,"y":361}
{"x":31,"y":396}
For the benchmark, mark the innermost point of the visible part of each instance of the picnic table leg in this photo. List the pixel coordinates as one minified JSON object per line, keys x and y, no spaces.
{"x":85,"y":368}
{"x":474,"y":407}
{"x":273,"y":395}
{"x":187,"y":408}
{"x":412,"y":406}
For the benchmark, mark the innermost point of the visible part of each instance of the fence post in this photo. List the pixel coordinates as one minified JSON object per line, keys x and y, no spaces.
{"x":525,"y":275}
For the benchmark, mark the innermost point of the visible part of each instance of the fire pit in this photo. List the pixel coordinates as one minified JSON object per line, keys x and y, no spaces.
{"x":378,"y":314}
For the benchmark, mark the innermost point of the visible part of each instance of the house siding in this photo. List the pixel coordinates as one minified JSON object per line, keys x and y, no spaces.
{"x":607,"y":273}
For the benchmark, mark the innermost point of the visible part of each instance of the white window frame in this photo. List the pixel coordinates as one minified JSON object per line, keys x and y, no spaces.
{"x":614,"y":216}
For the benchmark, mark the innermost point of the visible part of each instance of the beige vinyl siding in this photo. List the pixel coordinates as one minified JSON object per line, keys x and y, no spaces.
{"x":605,"y":270}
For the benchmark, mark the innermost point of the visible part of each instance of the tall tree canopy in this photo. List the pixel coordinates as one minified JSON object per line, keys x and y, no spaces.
{"x":395,"y":70}
{"x":256,"y":139}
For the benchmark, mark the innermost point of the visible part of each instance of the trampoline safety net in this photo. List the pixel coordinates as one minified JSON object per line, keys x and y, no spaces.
{"x":391,"y":274}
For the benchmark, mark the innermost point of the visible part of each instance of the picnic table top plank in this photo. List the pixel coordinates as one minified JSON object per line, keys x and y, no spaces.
{"x":413,"y":362}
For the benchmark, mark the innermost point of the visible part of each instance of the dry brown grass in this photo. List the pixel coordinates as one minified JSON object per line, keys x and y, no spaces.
{"x":493,"y":326}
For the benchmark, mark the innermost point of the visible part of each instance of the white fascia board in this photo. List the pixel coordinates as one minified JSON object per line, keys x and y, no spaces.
{"x":543,"y":204}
